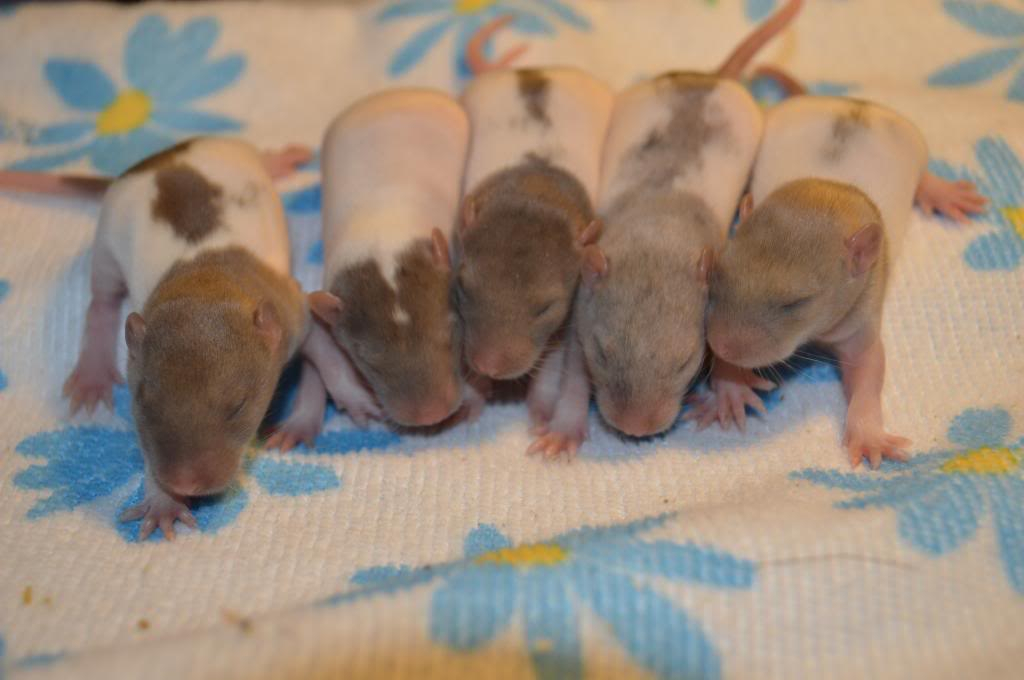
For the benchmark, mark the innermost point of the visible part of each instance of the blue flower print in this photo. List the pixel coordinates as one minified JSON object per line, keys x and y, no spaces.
{"x":942,"y":497}
{"x":995,"y":21}
{"x":84,"y":464}
{"x":466,"y":17}
{"x":5,"y":287}
{"x":549,"y":583}
{"x":115,"y":127}
{"x":1001,"y":180}
{"x":767,"y":91}
{"x":758,"y":9}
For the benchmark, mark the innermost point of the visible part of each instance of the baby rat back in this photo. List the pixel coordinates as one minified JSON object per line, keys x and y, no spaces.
{"x":678,"y":154}
{"x":845,"y":140}
{"x":532,"y":170}
{"x":392,"y":170}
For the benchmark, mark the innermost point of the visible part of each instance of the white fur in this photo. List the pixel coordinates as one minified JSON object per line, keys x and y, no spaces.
{"x":145,"y":248}
{"x":725,"y":163}
{"x":392,"y":167}
{"x":885,"y":161}
{"x":578,"y":106}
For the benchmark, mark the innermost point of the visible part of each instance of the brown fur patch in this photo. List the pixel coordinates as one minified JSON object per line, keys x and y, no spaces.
{"x":187,"y":201}
{"x":533,"y":89}
{"x":670,"y":150}
{"x":844,"y":129}
{"x":159,"y":160}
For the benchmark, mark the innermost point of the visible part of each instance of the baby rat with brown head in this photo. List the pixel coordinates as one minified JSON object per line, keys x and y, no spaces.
{"x":832,"y":192}
{"x":532,"y":169}
{"x":392,"y":168}
{"x":196,"y":238}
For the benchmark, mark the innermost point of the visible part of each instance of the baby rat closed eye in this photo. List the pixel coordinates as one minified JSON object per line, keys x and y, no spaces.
{"x":195,"y":237}
{"x":832,"y":192}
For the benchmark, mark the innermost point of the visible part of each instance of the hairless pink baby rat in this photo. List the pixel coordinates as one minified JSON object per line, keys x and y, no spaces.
{"x":832,"y":192}
{"x":677,"y":157}
{"x":195,"y":236}
{"x":392,"y":168}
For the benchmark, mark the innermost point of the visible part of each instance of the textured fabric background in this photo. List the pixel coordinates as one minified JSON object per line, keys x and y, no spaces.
{"x":377,"y":555}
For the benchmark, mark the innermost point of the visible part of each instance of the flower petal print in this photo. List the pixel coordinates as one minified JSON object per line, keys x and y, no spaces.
{"x":5,"y":288}
{"x":166,"y":73}
{"x":758,"y":9}
{"x":996,"y":21}
{"x":84,"y":464}
{"x":941,"y":498}
{"x":1001,"y":180}
{"x":551,"y":582}
{"x":465,"y":17}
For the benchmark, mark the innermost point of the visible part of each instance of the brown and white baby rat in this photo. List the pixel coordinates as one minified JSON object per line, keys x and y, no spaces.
{"x":679,"y":151}
{"x":392,"y":170}
{"x":196,"y":238}
{"x":532,"y":170}
{"x":832,"y":192}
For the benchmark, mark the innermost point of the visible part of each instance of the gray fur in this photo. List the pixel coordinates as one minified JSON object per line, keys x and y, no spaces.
{"x":846,"y":128}
{"x":520,"y":257}
{"x":534,"y":87}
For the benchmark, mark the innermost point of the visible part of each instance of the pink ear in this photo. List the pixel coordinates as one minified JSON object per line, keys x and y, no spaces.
{"x":326,"y":306}
{"x":439,"y":250}
{"x":595,"y":265}
{"x":705,"y":265}
{"x":267,"y":325}
{"x":590,"y":233}
{"x":863,"y":248}
{"x":469,"y":214}
{"x":746,"y":205}
{"x":134,"y":332}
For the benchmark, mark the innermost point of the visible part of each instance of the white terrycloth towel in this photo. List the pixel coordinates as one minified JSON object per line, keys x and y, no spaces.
{"x":385,"y":555}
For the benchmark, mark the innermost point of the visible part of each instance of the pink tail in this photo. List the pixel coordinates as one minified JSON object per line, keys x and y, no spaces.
{"x":790,"y":85}
{"x":475,"y":58}
{"x":78,"y":186}
{"x":734,"y":64}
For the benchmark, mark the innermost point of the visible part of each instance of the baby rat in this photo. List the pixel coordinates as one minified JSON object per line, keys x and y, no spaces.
{"x":678,"y":154}
{"x":832,"y":191}
{"x":195,"y":236}
{"x":392,"y":167}
{"x":532,"y":171}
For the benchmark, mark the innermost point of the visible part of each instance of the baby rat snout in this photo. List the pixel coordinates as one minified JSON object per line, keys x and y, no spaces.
{"x":430,"y":411}
{"x":643,"y":420}
{"x":502,"y":363}
{"x":210,"y":475}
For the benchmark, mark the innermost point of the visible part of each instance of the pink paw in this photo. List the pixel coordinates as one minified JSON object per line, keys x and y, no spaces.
{"x":873,"y":443}
{"x":90,"y":383}
{"x":956,"y":200}
{"x":294,"y":431}
{"x":540,"y":413}
{"x":553,"y":444}
{"x":360,"y":408}
{"x":281,"y":164}
{"x":159,"y":510}
{"x":727,"y":404}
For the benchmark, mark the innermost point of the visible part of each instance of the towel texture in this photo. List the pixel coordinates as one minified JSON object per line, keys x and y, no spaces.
{"x":392,"y":555}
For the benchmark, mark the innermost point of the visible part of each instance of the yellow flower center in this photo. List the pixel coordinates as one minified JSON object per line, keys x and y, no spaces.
{"x":472,"y":6}
{"x":534,"y":554}
{"x":1016,"y":218}
{"x":983,"y":461}
{"x":129,"y":111}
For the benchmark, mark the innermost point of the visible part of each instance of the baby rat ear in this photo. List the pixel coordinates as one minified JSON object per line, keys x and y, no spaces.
{"x":863,"y":248}
{"x":134,"y":332}
{"x":746,"y":205}
{"x":590,"y":233}
{"x":469,"y":214}
{"x":267,"y":325}
{"x":705,"y":265}
{"x":439,"y":250}
{"x":595,"y":265}
{"x":326,"y":306}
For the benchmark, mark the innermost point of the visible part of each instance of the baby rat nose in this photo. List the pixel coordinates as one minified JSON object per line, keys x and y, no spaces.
{"x":643,"y":422}
{"x":493,"y":364}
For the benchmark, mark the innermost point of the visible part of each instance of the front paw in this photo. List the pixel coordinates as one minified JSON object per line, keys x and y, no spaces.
{"x":361,"y":407}
{"x":159,"y":510}
{"x":866,"y":440}
{"x":558,"y":440}
{"x":90,"y":383}
{"x":727,"y":403}
{"x":294,"y":431}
